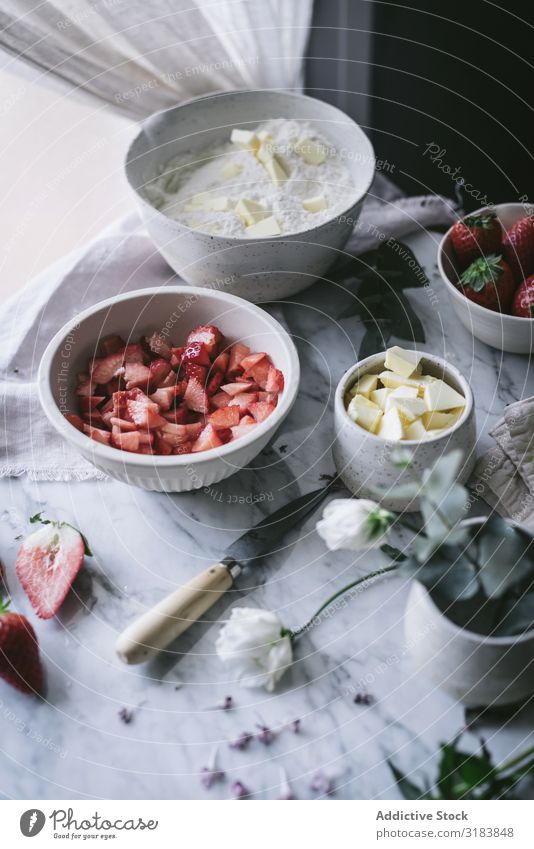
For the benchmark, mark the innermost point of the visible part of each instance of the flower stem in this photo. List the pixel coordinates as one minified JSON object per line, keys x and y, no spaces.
{"x":515,"y":761}
{"x":298,"y":631}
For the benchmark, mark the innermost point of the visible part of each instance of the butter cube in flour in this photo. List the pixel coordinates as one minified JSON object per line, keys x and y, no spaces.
{"x":250,"y":211}
{"x":231,"y":170}
{"x":245,"y":139}
{"x":275,"y":170}
{"x":439,"y":395}
{"x":365,"y":413}
{"x":266,"y":227}
{"x":315,"y":204}
{"x":402,"y":362}
{"x":309,"y":151}
{"x":221,"y":204}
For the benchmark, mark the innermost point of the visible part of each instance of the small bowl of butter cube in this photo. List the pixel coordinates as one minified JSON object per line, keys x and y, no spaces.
{"x":400,"y":399}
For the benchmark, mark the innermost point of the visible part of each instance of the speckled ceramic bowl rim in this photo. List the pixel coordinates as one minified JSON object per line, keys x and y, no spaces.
{"x":104,"y":452}
{"x":369,"y":158}
{"x":366,"y":365}
{"x":478,"y":309}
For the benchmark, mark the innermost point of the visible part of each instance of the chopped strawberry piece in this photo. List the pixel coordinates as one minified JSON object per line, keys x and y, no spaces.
{"x":145,"y":438}
{"x":160,"y":345}
{"x":177,"y":434}
{"x":224,"y":434}
{"x":196,"y":371}
{"x":220,"y":363}
{"x":234,"y":388}
{"x":196,"y":397}
{"x":184,"y":448}
{"x":196,"y":352}
{"x":176,"y":356}
{"x":275,"y":380}
{"x":162,"y":446}
{"x":120,"y":399}
{"x":214,"y":382}
{"x":97,"y":434}
{"x":134,"y":353}
{"x":126,"y":441}
{"x":163,"y":398}
{"x":270,"y":397}
{"x":47,"y":563}
{"x":207,"y":334}
{"x":178,"y":415}
{"x":104,"y":369}
{"x":260,"y":372}
{"x":170,"y":380}
{"x":136,"y":374}
{"x":159,"y":370}
{"x":112,"y":345}
{"x":85,"y":385}
{"x":242,"y":429}
{"x":247,"y":420}
{"x":237,"y":353}
{"x":261,"y":410}
{"x":93,"y":417}
{"x":144,"y":412}
{"x":207,"y":439}
{"x":251,"y":360}
{"x":225,"y":417}
{"x":89,"y":402}
{"x":122,"y":424}
{"x":220,"y":399}
{"x":115,"y":385}
{"x":243,"y":401}
{"x":74,"y":420}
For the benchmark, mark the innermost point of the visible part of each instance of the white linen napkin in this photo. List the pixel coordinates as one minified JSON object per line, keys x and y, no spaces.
{"x":122,"y":259}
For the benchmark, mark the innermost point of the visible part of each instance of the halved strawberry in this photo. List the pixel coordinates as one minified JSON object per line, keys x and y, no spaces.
{"x":47,"y":563}
{"x":207,"y":439}
{"x":220,"y":363}
{"x":159,"y":370}
{"x":196,"y":397}
{"x":275,"y":380}
{"x":209,"y":335}
{"x":136,"y":375}
{"x":111,"y":345}
{"x":261,"y":410}
{"x":251,"y":360}
{"x":160,"y":345}
{"x":225,"y":417}
{"x":103,"y":369}
{"x":196,"y":352}
{"x":125,"y":441}
{"x":74,"y":420}
{"x":20,"y":664}
{"x":237,"y":353}
{"x":197,"y":371}
{"x":214,"y":382}
{"x":243,"y":401}
{"x":220,"y":399}
{"x":234,"y":388}
{"x":96,"y":433}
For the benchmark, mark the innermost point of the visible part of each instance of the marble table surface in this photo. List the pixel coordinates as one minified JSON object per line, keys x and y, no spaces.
{"x":73,"y":743}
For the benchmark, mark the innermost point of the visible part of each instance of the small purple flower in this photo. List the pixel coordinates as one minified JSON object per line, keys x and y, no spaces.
{"x":321,"y":784}
{"x":228,"y":703}
{"x":239,"y":790}
{"x":125,"y":715}
{"x":295,"y":726}
{"x":209,"y":775}
{"x":363,"y":699}
{"x":266,"y":736}
{"x":242,"y":741}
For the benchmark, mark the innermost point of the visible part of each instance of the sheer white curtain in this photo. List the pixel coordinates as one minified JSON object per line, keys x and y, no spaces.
{"x":142,"y":55}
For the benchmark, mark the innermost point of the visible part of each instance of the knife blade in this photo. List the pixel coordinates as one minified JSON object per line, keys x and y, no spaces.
{"x":165,"y":622}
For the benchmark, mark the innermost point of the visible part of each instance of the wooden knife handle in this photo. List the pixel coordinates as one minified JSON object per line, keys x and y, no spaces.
{"x":158,"y":627}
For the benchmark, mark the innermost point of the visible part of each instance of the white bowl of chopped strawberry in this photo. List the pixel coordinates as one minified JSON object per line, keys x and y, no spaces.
{"x":170,"y":390}
{"x":486,"y":261}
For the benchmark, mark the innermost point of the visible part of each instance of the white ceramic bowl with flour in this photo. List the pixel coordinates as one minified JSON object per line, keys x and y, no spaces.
{"x":258,"y":269}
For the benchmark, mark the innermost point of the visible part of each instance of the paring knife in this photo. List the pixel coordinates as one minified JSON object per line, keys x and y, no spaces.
{"x":159,"y":626}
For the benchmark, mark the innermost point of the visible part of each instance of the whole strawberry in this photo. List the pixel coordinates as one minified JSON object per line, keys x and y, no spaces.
{"x":523,"y":305}
{"x":476,"y":236}
{"x":518,"y":248}
{"x":489,"y":282}
{"x":20,"y":664}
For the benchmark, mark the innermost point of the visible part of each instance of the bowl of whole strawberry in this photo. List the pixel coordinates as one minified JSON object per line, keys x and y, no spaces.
{"x":169,"y":390}
{"x":486,"y":261}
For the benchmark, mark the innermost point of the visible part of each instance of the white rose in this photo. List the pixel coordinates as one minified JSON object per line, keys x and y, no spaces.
{"x":252,"y":643}
{"x":356,"y":524}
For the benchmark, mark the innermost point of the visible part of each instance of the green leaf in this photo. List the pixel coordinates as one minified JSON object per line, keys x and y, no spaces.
{"x":515,"y":616}
{"x":86,"y":548}
{"x":393,"y":552}
{"x":448,"y":573}
{"x":408,"y":789}
{"x":376,"y":338}
{"x":37,"y":518}
{"x":505,"y":556}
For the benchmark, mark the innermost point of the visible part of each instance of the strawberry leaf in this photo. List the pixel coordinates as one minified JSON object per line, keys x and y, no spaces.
{"x":484,"y":221}
{"x":483,"y":271}
{"x":38,"y":518}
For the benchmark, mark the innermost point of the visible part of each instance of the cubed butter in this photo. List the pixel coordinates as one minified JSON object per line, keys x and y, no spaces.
{"x":200,"y":199}
{"x":310,"y":152}
{"x":264,"y":135}
{"x":379,"y":397}
{"x":275,"y":170}
{"x":264,"y":152}
{"x":365,"y":385}
{"x":221,"y":204}
{"x":405,"y":363}
{"x":392,"y":381}
{"x":433,"y":420}
{"x":391,"y":426}
{"x":409,"y":408}
{"x":245,"y":139}
{"x":250,"y":211}
{"x":315,"y":204}
{"x":365,"y":413}
{"x":439,"y":396}
{"x":266,"y":227}
{"x":231,"y":170}
{"x":416,"y":430}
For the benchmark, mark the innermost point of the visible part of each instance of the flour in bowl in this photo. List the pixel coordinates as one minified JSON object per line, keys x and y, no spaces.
{"x":282,"y":177}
